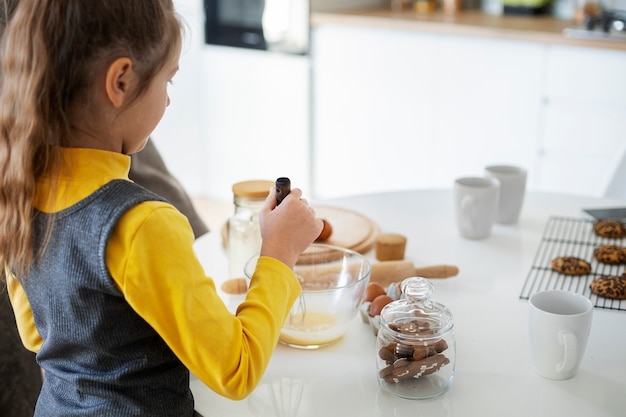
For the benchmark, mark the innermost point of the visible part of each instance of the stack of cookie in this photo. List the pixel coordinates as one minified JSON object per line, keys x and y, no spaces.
{"x":609,"y":286}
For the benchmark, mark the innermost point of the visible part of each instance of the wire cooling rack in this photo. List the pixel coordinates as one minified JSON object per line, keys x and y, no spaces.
{"x":564,"y":236}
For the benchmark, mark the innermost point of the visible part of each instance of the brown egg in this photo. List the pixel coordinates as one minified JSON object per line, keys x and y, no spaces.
{"x":378,"y":303}
{"x":326,"y":231}
{"x":373,"y":290}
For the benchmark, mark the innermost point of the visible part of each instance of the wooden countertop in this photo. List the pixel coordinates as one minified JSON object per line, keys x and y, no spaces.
{"x":543,"y":29}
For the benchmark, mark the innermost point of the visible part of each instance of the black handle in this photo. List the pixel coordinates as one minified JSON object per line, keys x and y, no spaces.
{"x":283,"y":188}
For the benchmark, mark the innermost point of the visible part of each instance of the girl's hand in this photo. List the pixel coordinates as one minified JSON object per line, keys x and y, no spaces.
{"x":287,"y":230}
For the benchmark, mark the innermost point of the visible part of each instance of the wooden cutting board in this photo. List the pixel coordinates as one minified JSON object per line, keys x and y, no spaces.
{"x":351,"y":230}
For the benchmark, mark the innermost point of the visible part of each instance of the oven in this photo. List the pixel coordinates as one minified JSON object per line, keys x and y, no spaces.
{"x":273,"y":25}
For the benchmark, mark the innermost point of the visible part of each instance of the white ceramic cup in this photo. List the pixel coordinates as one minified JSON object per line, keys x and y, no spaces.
{"x":512,"y":189}
{"x":559,"y":326}
{"x":476,"y":202}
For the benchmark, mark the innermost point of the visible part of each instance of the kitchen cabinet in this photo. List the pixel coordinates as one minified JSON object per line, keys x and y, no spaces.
{"x":399,"y":109}
{"x":486,"y":105}
{"x":584,"y":113}
{"x":402,"y":109}
{"x":371,"y":109}
{"x":397,"y":101}
{"x":255,"y":116}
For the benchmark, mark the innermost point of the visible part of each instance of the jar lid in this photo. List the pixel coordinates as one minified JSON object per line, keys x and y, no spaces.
{"x":415,"y":315}
{"x":253,"y":188}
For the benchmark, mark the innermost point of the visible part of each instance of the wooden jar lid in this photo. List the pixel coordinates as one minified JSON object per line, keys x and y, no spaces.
{"x":390,"y":247}
{"x":253,"y":188}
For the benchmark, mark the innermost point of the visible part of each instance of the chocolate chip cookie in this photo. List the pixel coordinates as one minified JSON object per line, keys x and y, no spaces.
{"x":610,"y":254}
{"x":609,"y":286}
{"x":570,"y":265}
{"x":612,"y":229}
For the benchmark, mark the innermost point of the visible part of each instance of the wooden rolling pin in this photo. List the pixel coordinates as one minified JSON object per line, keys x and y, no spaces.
{"x":388,"y":272}
{"x":385,"y":273}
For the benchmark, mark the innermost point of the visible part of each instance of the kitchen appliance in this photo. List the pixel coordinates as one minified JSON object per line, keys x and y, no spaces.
{"x":277,"y":25}
{"x":606,"y":24}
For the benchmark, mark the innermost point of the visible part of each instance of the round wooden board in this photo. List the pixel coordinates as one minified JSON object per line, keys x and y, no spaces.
{"x":351,"y":230}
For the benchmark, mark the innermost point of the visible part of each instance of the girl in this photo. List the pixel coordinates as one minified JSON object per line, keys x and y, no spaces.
{"x":101,"y":273}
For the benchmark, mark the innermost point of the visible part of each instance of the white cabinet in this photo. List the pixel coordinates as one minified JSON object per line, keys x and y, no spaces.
{"x":397,"y":109}
{"x":372,"y":109}
{"x":486,"y":104}
{"x":582,"y":139}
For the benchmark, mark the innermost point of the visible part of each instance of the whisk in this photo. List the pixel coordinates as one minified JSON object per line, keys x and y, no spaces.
{"x":297,"y":312}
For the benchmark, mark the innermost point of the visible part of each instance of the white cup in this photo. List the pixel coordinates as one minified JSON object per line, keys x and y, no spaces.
{"x":559,"y":326}
{"x":512,"y":190}
{"x":476,"y":202}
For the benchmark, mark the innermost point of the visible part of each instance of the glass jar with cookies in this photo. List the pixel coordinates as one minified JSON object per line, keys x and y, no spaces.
{"x":416,"y":351}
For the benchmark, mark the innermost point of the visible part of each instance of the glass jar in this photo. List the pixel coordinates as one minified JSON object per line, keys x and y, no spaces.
{"x":416,"y":351}
{"x":244,"y":233}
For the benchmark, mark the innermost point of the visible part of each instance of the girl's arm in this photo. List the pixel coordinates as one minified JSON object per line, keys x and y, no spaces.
{"x":151,"y":258}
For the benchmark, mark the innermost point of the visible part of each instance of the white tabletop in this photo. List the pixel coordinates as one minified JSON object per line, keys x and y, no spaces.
{"x":493,"y":374}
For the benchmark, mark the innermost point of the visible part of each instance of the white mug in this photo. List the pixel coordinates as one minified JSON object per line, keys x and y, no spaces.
{"x":512,"y":190}
{"x":476,"y":202}
{"x":559,"y":326}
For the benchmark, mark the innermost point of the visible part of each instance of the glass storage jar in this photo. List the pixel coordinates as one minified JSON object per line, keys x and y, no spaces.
{"x":244,"y":232}
{"x":416,"y":350}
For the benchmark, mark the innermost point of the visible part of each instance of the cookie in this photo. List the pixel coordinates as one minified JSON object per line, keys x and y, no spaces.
{"x":610,"y":254}
{"x":570,"y":265}
{"x":610,"y":286}
{"x":610,"y":228}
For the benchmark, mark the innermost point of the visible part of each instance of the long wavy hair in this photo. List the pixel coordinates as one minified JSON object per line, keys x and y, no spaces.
{"x":51,"y":52}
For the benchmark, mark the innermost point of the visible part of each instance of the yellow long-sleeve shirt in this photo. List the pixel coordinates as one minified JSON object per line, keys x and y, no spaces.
{"x":151,"y":259}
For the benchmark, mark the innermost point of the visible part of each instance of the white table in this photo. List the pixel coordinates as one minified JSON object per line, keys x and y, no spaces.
{"x":493,"y":374}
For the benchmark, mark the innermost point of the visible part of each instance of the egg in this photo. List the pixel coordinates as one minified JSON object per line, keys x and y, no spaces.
{"x":378,"y":303}
{"x":326,"y":231}
{"x":373,"y":290}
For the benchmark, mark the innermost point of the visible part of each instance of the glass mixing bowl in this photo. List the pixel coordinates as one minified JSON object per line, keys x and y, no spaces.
{"x":333,"y":281}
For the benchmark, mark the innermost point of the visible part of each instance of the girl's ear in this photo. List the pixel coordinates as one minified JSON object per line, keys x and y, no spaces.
{"x":118,"y":81}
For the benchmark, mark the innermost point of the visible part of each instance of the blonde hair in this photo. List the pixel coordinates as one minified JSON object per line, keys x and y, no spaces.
{"x":51,"y":52}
